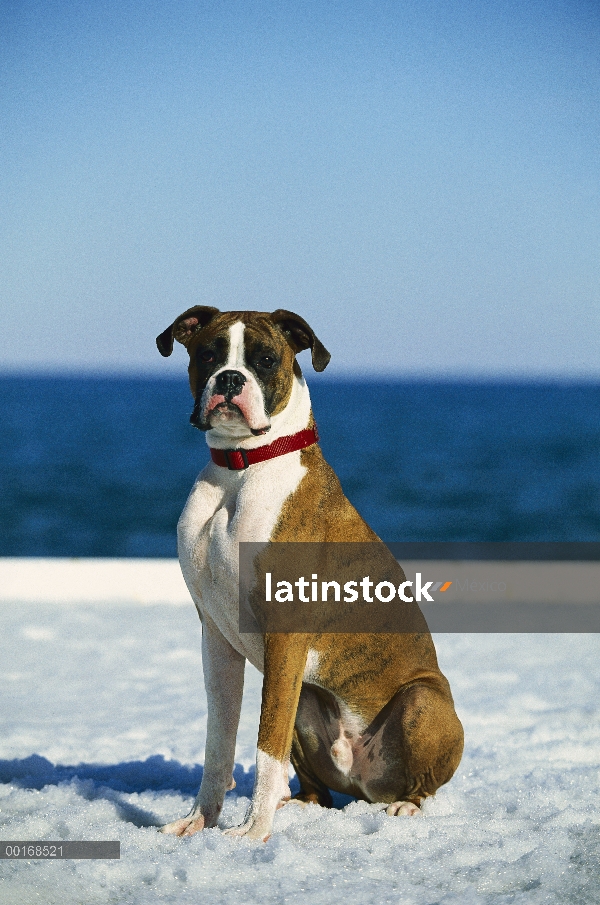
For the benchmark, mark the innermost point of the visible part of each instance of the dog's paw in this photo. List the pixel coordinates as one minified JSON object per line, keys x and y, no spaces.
{"x":402,"y":809}
{"x":252,"y":829}
{"x":187,"y":826}
{"x":322,"y":797}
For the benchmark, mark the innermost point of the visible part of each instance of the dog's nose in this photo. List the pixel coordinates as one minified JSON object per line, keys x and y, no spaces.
{"x":229,"y":384}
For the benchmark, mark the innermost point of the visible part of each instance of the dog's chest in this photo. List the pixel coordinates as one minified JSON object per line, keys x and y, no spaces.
{"x":224,"y":509}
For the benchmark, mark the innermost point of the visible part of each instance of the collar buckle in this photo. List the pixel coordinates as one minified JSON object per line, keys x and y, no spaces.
{"x":236,"y":466}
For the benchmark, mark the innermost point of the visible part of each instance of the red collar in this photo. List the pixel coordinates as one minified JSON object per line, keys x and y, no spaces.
{"x":239,"y":459}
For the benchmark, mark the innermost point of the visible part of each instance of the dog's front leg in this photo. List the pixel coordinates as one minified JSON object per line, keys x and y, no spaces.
{"x":224,"y":680}
{"x":285,"y":660}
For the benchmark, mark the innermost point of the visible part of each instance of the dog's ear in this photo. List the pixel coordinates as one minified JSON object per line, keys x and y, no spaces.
{"x":184,"y":327}
{"x":302,"y":336}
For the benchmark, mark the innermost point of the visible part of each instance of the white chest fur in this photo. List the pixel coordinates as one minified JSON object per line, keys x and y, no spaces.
{"x":226,"y":508}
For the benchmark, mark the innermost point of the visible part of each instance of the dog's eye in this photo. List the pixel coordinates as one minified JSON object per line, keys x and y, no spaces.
{"x":266,"y":361}
{"x":207,"y":356}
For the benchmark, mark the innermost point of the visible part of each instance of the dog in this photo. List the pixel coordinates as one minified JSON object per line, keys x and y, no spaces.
{"x":366,"y":714}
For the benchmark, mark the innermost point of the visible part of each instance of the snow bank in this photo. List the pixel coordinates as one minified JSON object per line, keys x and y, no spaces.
{"x":103,"y":722}
{"x":98,"y":580}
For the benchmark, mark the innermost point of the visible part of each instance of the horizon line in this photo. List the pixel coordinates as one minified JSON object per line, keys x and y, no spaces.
{"x":337,"y":375}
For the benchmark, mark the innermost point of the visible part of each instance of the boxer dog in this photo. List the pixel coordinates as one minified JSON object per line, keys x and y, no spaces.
{"x":369,"y":715}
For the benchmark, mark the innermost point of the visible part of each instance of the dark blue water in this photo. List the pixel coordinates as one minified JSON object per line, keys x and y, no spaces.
{"x":102,"y":466}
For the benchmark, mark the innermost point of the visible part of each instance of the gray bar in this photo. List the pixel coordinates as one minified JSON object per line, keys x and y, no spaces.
{"x":506,"y":551}
{"x":513,"y":617}
{"x":59,"y":851}
{"x":314,"y":588}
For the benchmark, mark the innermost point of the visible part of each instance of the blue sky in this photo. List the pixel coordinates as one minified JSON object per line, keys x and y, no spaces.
{"x":419,"y":180}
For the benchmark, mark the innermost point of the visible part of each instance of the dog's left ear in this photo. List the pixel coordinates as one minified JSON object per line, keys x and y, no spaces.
{"x":302,"y":336}
{"x":184,"y":327}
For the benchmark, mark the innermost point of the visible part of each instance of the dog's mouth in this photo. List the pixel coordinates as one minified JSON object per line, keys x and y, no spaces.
{"x":219,"y":411}
{"x":225,"y":411}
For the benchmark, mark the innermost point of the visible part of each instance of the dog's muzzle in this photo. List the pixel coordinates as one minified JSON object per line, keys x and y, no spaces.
{"x":227,"y":384}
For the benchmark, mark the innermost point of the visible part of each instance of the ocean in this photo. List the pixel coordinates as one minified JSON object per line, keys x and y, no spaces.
{"x":101,"y":466}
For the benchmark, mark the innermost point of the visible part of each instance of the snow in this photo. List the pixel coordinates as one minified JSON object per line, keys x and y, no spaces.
{"x":102,"y":737}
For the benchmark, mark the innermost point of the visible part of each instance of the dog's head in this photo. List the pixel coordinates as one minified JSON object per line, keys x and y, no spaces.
{"x":242,"y":364}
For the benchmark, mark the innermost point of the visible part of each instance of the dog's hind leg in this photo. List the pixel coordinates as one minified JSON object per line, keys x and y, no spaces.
{"x":410,"y":749}
{"x":224,"y":680}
